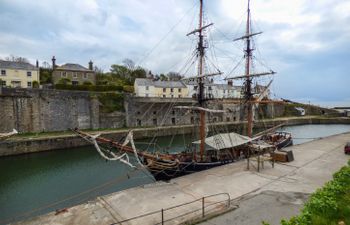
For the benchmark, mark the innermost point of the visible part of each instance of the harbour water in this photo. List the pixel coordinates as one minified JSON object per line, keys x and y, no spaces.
{"x":35,"y":184}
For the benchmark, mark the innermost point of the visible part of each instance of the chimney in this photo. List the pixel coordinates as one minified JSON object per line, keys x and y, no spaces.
{"x":91,"y":65}
{"x":37,"y":64}
{"x":53,"y":62}
{"x":230,"y":83}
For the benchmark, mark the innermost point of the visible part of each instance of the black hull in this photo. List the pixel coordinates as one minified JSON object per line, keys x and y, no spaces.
{"x":185,"y":168}
{"x":285,"y":143}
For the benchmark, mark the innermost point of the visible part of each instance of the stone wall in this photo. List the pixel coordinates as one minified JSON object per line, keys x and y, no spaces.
{"x":38,"y":110}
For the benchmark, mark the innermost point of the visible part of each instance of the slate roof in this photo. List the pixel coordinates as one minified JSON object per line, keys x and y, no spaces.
{"x":16,"y":65}
{"x":72,"y":66}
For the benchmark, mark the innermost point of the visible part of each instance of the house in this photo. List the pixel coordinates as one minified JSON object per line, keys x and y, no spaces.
{"x":18,"y":74}
{"x":212,"y":90}
{"x":73,"y":74}
{"x":145,"y":87}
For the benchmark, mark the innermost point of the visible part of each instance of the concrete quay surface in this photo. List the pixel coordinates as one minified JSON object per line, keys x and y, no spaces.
{"x":257,"y":194}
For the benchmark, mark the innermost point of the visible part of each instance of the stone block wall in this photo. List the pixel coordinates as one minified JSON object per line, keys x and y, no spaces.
{"x":37,"y":110}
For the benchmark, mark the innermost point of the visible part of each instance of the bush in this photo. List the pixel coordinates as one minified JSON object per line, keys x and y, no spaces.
{"x":111,"y":102}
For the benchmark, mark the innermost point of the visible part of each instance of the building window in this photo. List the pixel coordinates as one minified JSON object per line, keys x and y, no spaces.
{"x":147,"y":88}
{"x":29,"y":84}
{"x":228,"y":119}
{"x":192,"y":120}
{"x":86,"y":76}
{"x":195,"y":87}
{"x":173,"y":112}
{"x":146,"y":95}
{"x":3,"y":72}
{"x":155,"y":122}
{"x":171,"y":89}
{"x":29,"y":73}
{"x":234,"y":118}
{"x":164,"y":89}
{"x":172,"y":96}
{"x":138,"y":113}
{"x":154,"y":112}
{"x":3,"y":83}
{"x":164,"y":96}
{"x":209,"y":88}
{"x":75,"y":75}
{"x":180,"y":96}
{"x":139,"y":123}
{"x":179,"y":89}
{"x":173,"y":121}
{"x":75,"y":83}
{"x":63,"y":74}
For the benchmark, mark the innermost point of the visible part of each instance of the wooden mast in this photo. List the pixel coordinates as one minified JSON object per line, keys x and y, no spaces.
{"x":248,"y":81}
{"x":200,"y":81}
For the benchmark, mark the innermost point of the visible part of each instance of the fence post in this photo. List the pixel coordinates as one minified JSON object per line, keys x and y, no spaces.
{"x":203,"y":207}
{"x":162,"y":216}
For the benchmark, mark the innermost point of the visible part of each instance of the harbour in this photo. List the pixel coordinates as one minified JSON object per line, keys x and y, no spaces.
{"x":74,"y":176}
{"x":310,"y":156}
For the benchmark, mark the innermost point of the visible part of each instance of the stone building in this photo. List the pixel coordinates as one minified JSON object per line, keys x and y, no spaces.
{"x":73,"y":74}
{"x":18,"y":74}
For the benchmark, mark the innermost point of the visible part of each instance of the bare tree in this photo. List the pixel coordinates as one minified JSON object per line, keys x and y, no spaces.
{"x":14,"y":58}
{"x":128,"y":63}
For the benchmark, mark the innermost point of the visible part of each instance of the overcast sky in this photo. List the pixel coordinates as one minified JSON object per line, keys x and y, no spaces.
{"x":306,"y":42}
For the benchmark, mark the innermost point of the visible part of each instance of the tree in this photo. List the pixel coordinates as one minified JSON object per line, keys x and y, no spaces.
{"x":174,"y":76}
{"x":163,"y":77}
{"x":128,"y":63}
{"x":45,"y":75}
{"x":64,"y":81}
{"x":138,"y":73}
{"x":36,"y":84}
{"x":120,"y":71}
{"x":14,"y":58}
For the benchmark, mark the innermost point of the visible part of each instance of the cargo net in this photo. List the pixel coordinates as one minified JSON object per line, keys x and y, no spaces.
{"x":112,"y":156}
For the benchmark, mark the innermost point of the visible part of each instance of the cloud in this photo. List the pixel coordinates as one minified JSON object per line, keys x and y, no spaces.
{"x":306,"y":43}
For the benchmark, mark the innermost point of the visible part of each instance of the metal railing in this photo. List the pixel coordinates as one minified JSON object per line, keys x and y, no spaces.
{"x":198,"y":208}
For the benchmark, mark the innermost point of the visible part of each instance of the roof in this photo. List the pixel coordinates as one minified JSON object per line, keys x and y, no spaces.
{"x":16,"y":65}
{"x":72,"y":66}
{"x":226,"y":140}
{"x":158,"y":83}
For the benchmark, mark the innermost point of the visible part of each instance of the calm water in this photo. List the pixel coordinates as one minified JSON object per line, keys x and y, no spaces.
{"x":32,"y":184}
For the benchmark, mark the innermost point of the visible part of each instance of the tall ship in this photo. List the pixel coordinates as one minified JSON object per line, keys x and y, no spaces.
{"x":207,"y":151}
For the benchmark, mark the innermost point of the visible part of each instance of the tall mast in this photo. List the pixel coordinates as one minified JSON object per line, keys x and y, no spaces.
{"x":201,"y":52}
{"x":248,"y":81}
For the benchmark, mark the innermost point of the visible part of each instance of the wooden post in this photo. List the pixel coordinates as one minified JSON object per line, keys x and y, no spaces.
{"x":203,"y":207}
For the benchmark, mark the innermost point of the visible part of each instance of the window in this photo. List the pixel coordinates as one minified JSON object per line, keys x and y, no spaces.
{"x":209,"y":88}
{"x":228,"y":119}
{"x":234,"y":118}
{"x":147,"y":88}
{"x":171,"y":89}
{"x":75,"y":75}
{"x":86,"y":76}
{"x":173,"y":112}
{"x":173,"y":121}
{"x":139,"y":122}
{"x":146,"y":95}
{"x":74,"y":83}
{"x":3,"y":72}
{"x":164,"y":96}
{"x":29,"y":84}
{"x":29,"y":73}
{"x":180,"y":96}
{"x":155,"y":122}
{"x":164,"y":89}
{"x":192,"y":120}
{"x":3,"y":83}
{"x":154,"y":112}
{"x":195,"y":87}
{"x":172,"y":96}
{"x":179,"y":89}
{"x":63,"y":74}
{"x":138,"y":113}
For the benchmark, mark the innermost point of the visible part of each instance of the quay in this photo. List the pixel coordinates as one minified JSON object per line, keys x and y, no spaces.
{"x":314,"y":164}
{"x":39,"y":142}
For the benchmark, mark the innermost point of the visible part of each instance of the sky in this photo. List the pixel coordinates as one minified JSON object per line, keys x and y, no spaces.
{"x":306,"y":42}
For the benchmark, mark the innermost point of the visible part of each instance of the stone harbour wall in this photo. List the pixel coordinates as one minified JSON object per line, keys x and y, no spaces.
{"x":42,"y":110}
